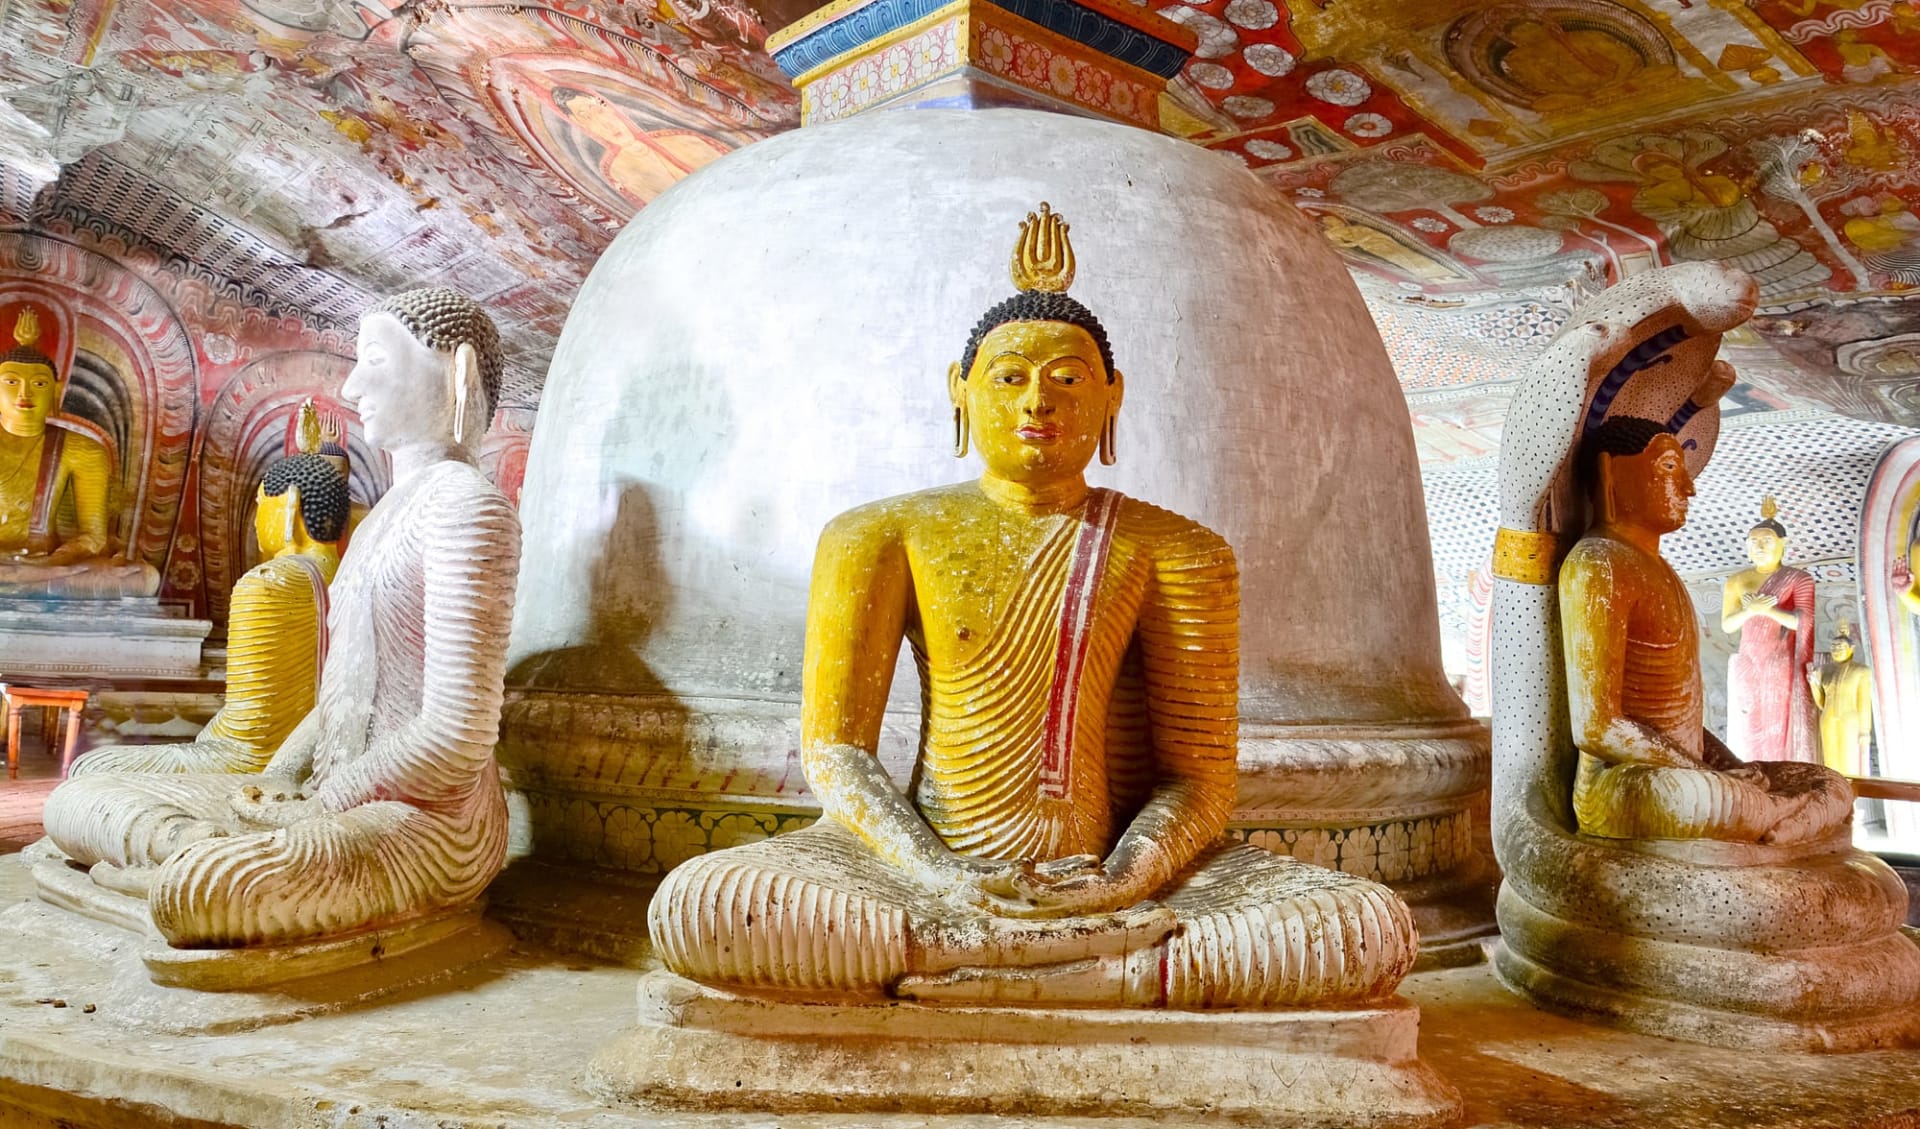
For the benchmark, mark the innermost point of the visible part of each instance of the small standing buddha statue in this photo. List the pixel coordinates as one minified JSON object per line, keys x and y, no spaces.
{"x":1843,"y":690}
{"x":276,"y":622}
{"x":1770,"y":606}
{"x":43,"y":464}
{"x":1648,"y":769}
{"x":1061,"y":843}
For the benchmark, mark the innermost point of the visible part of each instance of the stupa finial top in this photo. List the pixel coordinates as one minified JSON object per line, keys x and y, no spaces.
{"x":1043,"y":256}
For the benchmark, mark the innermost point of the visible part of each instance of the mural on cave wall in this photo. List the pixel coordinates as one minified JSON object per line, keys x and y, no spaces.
{"x":603,"y":116}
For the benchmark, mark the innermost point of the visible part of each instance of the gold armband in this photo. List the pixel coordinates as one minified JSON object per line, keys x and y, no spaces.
{"x":1524,"y":557}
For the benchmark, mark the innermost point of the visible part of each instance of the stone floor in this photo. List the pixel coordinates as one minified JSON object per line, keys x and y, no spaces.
{"x":22,"y":799}
{"x":503,"y":1048}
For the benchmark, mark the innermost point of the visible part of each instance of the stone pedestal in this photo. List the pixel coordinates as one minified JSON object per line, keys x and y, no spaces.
{"x":697,"y":1048}
{"x":129,"y":639}
{"x":89,"y":935}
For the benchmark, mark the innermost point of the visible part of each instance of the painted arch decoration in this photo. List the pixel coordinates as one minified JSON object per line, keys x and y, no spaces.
{"x":129,"y":374}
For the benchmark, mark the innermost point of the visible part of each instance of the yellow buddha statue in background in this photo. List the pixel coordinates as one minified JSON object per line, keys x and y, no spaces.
{"x":1648,"y":769}
{"x":1061,"y":842}
{"x":1843,"y":691}
{"x":276,"y":623}
{"x":41,"y":465}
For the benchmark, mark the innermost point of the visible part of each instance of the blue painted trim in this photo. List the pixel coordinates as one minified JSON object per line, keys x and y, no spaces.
{"x":1103,"y":33}
{"x":1085,"y":26}
{"x":863,"y":25}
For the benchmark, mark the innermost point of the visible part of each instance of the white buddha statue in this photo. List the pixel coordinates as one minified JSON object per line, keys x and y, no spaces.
{"x":384,"y":803}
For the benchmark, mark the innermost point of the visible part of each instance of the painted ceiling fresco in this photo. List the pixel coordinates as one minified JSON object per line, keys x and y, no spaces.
{"x":220,"y":186}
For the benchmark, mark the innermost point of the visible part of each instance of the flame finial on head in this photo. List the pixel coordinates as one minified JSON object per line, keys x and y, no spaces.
{"x":26,"y":328}
{"x":1769,"y":509}
{"x":307,"y":438}
{"x":1043,"y":256}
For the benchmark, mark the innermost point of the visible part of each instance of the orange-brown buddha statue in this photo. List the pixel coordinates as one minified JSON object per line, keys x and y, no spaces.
{"x":1648,"y":768}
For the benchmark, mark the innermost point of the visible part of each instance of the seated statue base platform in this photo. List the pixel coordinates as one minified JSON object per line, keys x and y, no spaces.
{"x":501,"y":1044}
{"x":1795,"y":947}
{"x":132,"y":638}
{"x":100,"y":935}
{"x":700,"y":1048}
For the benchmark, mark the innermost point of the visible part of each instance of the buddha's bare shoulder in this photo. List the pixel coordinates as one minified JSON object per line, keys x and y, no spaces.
{"x":1169,"y":535}
{"x":79,"y":448}
{"x":455,"y":482}
{"x":895,"y":517}
{"x":1599,"y":552}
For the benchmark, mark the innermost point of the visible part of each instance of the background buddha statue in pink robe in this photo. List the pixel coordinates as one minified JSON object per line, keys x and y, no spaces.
{"x":1771,"y":606}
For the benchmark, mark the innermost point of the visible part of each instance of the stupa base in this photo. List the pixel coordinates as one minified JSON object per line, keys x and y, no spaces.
{"x":620,"y":789}
{"x":699,"y":1048}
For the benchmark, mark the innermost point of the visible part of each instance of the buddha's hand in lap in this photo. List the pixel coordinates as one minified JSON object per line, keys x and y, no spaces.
{"x":271,"y":806}
{"x":1751,"y":774}
{"x":1076,"y":886}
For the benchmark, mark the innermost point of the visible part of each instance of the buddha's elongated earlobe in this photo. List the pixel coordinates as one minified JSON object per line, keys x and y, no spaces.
{"x":1108,"y":454}
{"x":290,"y":538}
{"x":465,"y":361}
{"x":957,"y":392}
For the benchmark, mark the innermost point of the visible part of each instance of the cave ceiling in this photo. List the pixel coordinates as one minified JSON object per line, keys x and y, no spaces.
{"x":302,"y":157}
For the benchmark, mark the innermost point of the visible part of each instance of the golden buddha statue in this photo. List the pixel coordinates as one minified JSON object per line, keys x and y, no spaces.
{"x":42,"y":465}
{"x":1647,"y":769}
{"x":1061,"y":839}
{"x":1843,"y":691}
{"x":276,"y":623}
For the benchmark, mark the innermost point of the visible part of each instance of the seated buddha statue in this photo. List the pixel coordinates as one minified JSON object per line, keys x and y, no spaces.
{"x":1648,"y":770}
{"x":1061,"y":841}
{"x":384,"y":803}
{"x":1650,"y":879}
{"x":276,"y":624}
{"x":47,"y":464}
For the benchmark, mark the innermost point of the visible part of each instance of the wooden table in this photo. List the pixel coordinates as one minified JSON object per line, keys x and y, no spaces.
{"x":19,"y":698}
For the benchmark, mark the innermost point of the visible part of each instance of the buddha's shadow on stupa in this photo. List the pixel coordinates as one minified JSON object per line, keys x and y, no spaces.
{"x":565,"y":718}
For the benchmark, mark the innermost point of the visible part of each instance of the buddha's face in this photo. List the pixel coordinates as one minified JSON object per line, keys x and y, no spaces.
{"x":27,"y":393}
{"x":1765,"y":548}
{"x":273,"y":520}
{"x":598,"y":119}
{"x":1842,"y":650}
{"x":398,"y":386}
{"x":1651,"y":489}
{"x":1036,"y":400}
